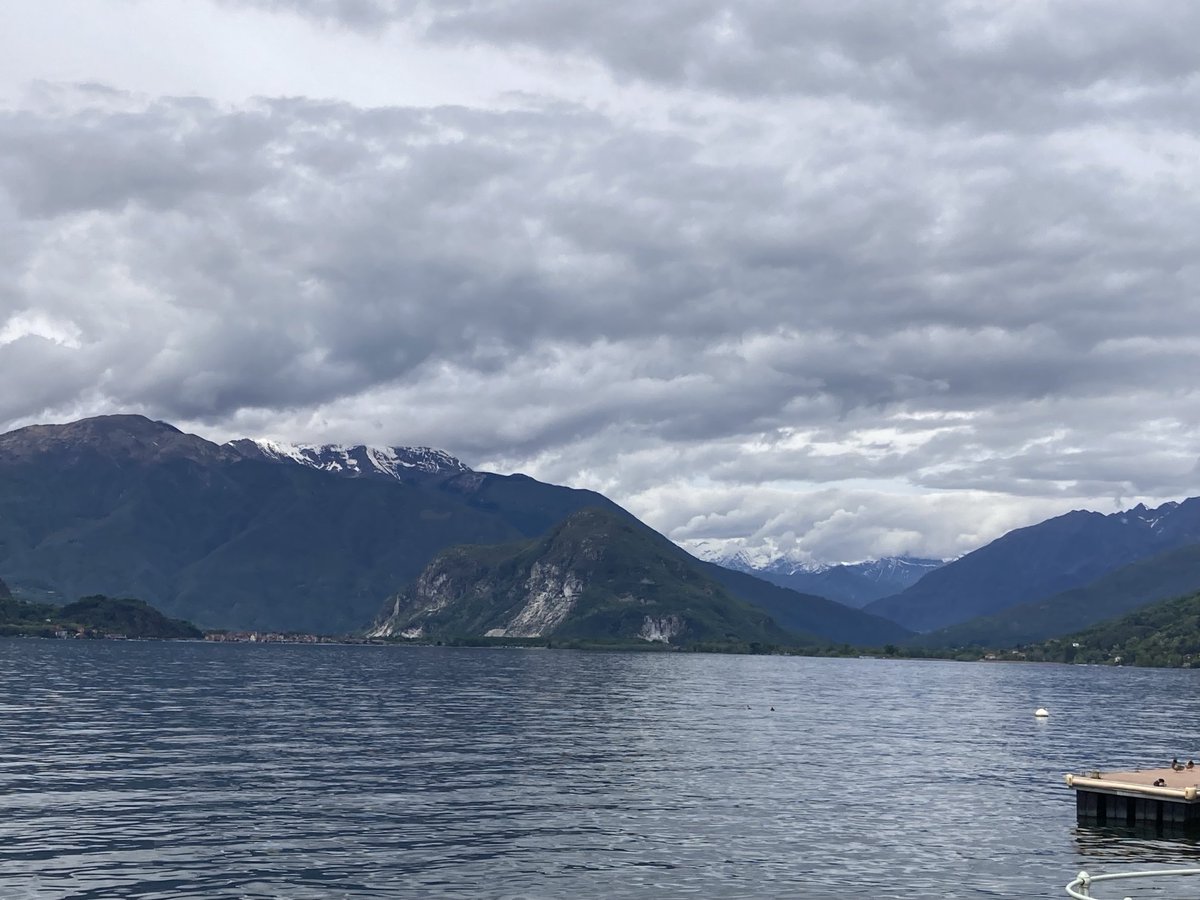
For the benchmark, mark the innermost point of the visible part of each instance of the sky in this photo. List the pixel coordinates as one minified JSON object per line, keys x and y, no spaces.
{"x":832,"y":280}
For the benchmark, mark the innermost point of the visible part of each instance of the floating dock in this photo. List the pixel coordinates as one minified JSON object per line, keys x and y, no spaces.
{"x":1167,"y":797}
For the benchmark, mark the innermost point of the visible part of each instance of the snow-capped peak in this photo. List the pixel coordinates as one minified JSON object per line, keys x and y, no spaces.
{"x":276,"y":450}
{"x":392,"y":462}
{"x":894,"y":566}
{"x":733,"y":555}
{"x":1141,"y":515}
{"x":762,"y":558}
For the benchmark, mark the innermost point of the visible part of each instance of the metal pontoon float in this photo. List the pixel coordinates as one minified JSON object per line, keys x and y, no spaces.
{"x":1144,"y":797}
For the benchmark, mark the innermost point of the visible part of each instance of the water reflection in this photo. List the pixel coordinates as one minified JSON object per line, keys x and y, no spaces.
{"x":1142,"y":844}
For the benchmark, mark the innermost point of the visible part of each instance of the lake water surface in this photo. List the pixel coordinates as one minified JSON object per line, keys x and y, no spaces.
{"x":158,"y":770}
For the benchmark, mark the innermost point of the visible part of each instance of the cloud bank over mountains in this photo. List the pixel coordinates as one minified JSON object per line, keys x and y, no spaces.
{"x":844,"y":281}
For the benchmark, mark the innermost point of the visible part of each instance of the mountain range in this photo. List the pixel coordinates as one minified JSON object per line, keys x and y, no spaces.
{"x":259,"y":535}
{"x":1040,"y":561}
{"x":1033,"y":583}
{"x":851,"y":584}
{"x":1111,"y":596}
{"x":234,"y":535}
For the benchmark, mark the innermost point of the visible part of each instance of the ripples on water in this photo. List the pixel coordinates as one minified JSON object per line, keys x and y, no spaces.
{"x":157,"y":770}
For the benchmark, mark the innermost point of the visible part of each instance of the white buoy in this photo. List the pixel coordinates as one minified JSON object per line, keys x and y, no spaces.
{"x":1041,"y":712}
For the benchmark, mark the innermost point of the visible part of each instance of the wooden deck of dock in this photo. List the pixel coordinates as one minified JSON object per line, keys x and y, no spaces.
{"x":1164,"y":797}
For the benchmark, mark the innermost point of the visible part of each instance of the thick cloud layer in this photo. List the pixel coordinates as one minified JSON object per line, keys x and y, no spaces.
{"x":995,"y":66}
{"x":836,"y":280}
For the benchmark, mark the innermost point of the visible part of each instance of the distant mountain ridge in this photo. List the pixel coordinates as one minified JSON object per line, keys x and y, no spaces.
{"x":122,"y":438}
{"x":810,"y":613}
{"x":851,"y":584}
{"x":746,"y":559}
{"x":1039,"y":561}
{"x":138,"y":439}
{"x":1174,"y":573}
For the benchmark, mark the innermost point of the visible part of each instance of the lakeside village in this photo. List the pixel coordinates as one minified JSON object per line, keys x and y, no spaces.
{"x":221,"y":637}
{"x":891,"y":651}
{"x":292,"y":637}
{"x":278,"y":637}
{"x":106,"y":618}
{"x":973,"y":654}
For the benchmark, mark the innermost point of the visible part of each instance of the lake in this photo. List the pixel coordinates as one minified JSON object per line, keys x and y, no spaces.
{"x":158,"y":770}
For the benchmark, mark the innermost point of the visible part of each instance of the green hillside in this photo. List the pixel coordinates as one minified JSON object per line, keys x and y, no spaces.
{"x":127,"y":616}
{"x":1170,"y":574}
{"x":597,"y":576}
{"x":1162,"y":634}
{"x":96,"y":615}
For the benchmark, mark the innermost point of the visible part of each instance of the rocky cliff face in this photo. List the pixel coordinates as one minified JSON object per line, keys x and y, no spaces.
{"x":662,"y":628}
{"x":532,"y":606}
{"x":549,"y":598}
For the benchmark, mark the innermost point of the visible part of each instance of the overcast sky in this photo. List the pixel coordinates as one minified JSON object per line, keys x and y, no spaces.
{"x":836,"y":279}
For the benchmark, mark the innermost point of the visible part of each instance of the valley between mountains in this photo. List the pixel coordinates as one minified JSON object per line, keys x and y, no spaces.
{"x":412,"y":543}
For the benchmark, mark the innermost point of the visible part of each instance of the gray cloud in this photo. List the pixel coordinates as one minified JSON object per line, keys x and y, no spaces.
{"x":996,"y":67}
{"x":848,"y":281}
{"x":368,"y":15}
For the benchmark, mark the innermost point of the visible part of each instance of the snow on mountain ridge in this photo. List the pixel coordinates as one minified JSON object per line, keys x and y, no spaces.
{"x":280,"y":451}
{"x":360,"y":459}
{"x":766,"y":559}
{"x":889,"y":566}
{"x":751,"y":559}
{"x":1154,"y":519}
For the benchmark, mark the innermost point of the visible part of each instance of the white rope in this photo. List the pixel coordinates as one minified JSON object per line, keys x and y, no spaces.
{"x":1080,"y":888}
